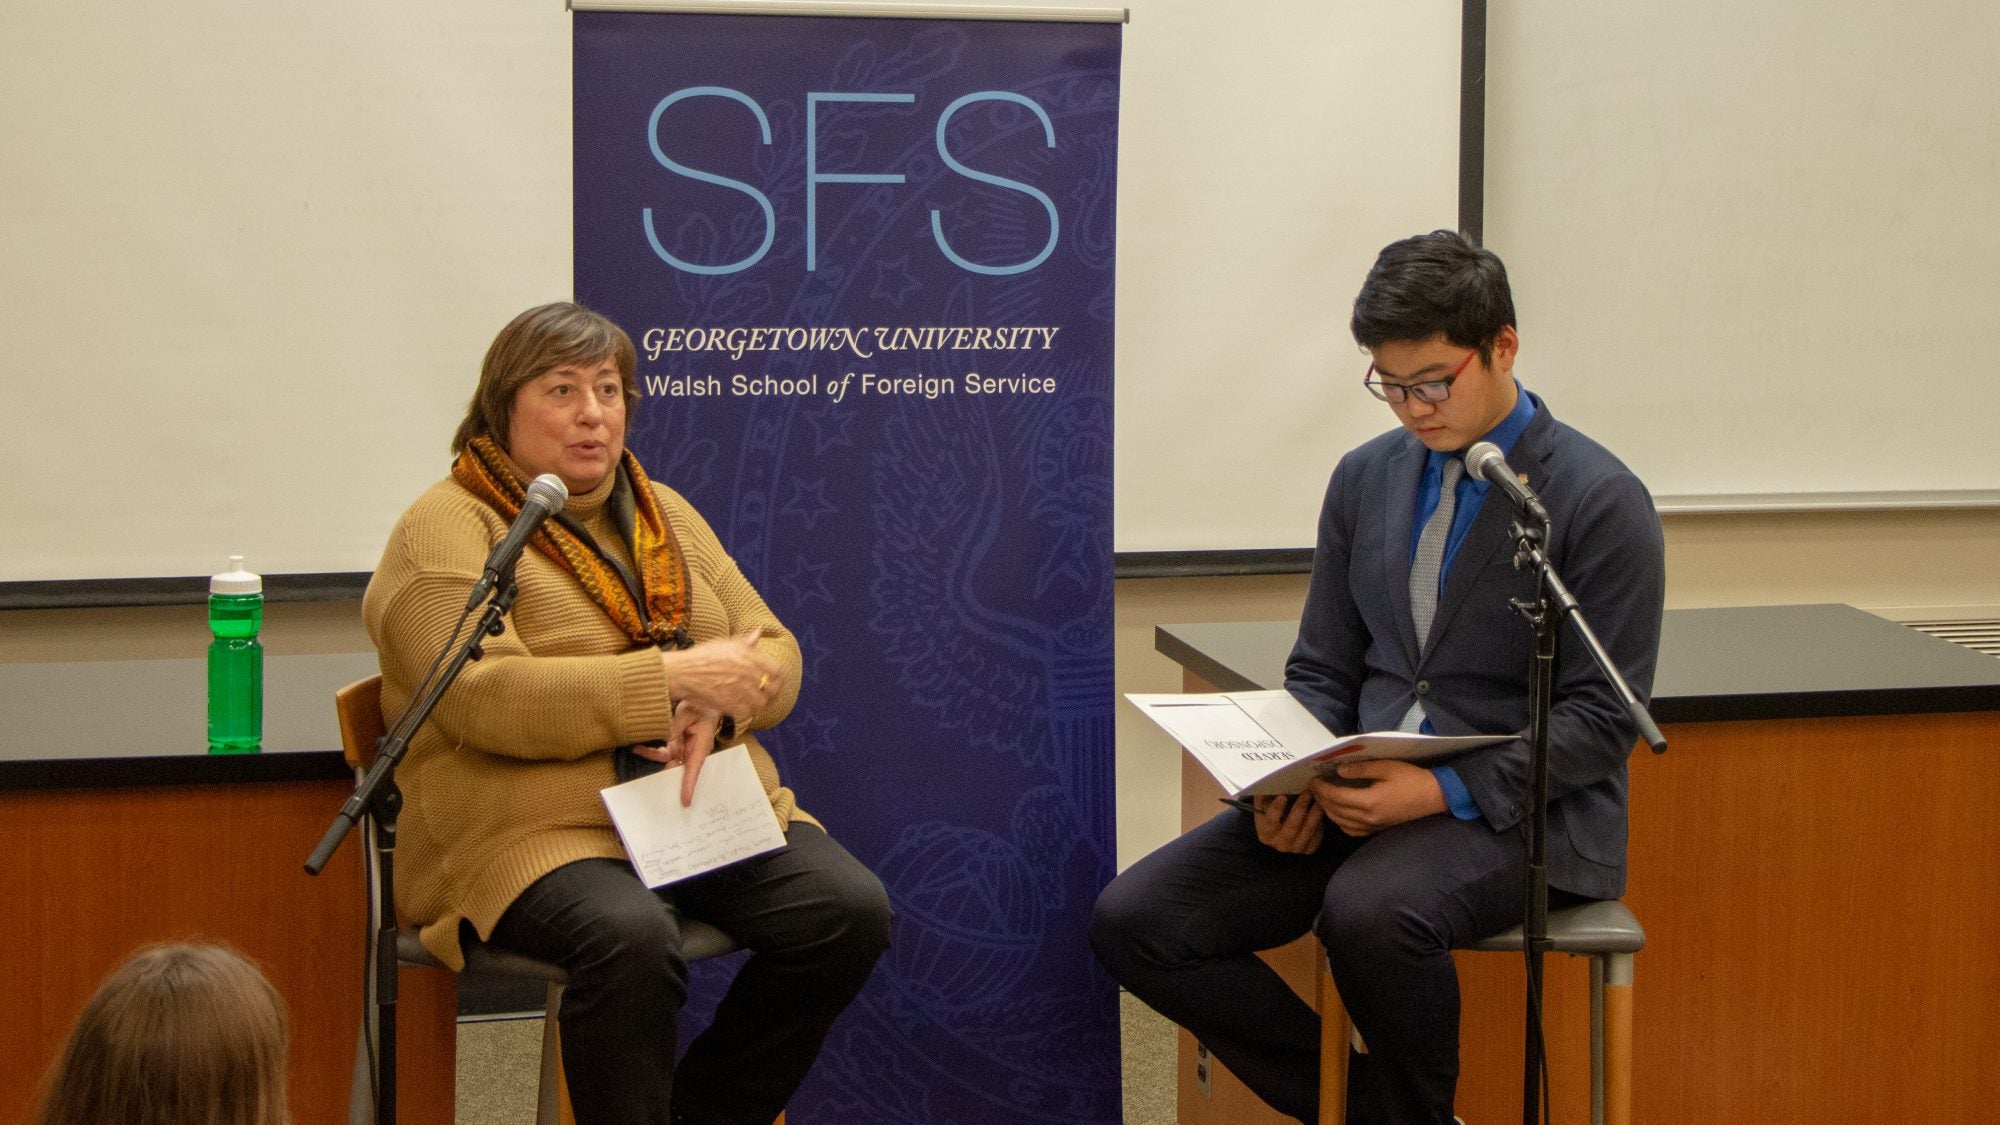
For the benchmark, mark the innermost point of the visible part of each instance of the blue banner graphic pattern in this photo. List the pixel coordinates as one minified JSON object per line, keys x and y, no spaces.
{"x":868,"y":264}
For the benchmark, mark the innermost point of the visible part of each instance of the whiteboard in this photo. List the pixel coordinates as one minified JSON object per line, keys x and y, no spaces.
{"x":1754,"y":246}
{"x":252,"y":253}
{"x":1250,"y":206}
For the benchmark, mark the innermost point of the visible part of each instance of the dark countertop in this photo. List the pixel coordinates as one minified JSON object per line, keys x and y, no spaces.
{"x":82,"y":724}
{"x":1716,"y":665}
{"x":85,"y":724}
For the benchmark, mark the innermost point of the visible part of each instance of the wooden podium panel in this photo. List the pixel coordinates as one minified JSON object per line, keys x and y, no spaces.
{"x":1820,"y":899}
{"x":90,"y":874}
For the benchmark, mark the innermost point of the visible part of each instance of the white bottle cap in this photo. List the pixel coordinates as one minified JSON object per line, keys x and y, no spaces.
{"x":236,"y":580}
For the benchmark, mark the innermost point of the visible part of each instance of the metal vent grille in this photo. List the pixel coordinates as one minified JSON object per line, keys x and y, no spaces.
{"x":1979,"y":636}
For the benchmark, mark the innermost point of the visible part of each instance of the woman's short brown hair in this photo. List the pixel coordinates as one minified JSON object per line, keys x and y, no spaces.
{"x":533,"y":344}
{"x":185,"y":1034}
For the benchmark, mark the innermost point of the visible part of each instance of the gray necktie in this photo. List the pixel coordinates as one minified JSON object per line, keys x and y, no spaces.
{"x":1426,"y":566}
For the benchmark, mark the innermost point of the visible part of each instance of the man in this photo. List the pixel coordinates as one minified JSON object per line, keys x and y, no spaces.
{"x":1393,"y":865}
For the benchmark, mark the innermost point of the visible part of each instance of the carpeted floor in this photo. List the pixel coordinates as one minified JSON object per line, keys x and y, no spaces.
{"x":499,"y":1059}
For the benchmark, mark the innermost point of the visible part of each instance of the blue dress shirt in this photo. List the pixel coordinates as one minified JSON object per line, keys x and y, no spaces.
{"x":1471,"y":491}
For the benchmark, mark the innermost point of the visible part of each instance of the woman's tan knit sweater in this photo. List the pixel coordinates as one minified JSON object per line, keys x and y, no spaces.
{"x":501,"y":785}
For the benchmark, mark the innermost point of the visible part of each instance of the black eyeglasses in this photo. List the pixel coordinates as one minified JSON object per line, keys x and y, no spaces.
{"x":1430,"y":390}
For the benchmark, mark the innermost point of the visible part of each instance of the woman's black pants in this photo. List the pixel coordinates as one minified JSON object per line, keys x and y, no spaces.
{"x":814,"y":919}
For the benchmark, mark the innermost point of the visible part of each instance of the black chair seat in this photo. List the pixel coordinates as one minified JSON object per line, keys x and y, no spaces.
{"x":700,"y":942}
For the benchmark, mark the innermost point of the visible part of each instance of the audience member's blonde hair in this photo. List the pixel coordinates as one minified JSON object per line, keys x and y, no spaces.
{"x":178,"y":1035}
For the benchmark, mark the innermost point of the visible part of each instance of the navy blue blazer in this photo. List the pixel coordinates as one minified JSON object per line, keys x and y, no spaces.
{"x":1356,"y":665}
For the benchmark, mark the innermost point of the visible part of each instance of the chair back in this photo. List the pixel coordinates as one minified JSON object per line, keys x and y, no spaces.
{"x":359,"y":705}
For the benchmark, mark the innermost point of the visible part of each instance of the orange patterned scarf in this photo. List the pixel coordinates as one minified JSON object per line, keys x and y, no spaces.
{"x":663,"y":578}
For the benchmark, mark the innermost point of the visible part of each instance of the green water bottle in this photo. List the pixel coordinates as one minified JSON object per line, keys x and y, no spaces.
{"x":235,"y":661}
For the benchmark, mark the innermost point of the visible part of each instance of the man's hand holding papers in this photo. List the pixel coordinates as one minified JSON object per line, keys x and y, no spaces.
{"x":1259,"y":743}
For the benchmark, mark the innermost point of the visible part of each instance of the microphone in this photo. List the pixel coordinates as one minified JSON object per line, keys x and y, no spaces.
{"x":1485,"y":459}
{"x":546,"y":496}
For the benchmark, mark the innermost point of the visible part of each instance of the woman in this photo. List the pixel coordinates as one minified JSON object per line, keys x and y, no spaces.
{"x":634,"y":642}
{"x":177,"y":1035}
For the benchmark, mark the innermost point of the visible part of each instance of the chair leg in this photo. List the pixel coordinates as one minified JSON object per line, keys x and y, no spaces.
{"x":1618,"y":1039}
{"x":1334,"y":1033}
{"x":550,"y":1105}
{"x":1597,"y":1039}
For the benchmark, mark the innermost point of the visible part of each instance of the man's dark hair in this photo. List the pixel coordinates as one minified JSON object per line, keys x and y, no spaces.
{"x":1432,"y":283}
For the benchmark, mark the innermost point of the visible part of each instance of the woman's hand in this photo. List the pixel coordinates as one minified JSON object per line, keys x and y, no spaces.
{"x":727,"y":675}
{"x":689,"y":742}
{"x":1290,"y":824}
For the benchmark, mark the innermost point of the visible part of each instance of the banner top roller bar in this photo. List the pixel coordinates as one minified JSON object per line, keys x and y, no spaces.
{"x":889,"y":10}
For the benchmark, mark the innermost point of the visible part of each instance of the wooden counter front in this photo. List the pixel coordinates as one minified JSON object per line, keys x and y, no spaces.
{"x":99,"y":856}
{"x":1820,"y":895}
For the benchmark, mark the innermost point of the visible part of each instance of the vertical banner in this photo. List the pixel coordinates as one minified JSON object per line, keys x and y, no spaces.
{"x":868,"y":266}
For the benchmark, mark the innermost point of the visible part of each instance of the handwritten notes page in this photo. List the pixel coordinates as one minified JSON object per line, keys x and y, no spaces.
{"x":730,"y":819}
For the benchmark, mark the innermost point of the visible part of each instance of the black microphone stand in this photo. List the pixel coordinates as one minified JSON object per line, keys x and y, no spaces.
{"x":378,"y":795}
{"x":1546,"y":611}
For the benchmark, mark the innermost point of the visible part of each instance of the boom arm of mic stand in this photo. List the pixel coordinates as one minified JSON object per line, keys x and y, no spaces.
{"x":389,"y":752}
{"x":1565,"y":606}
